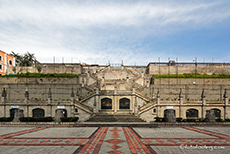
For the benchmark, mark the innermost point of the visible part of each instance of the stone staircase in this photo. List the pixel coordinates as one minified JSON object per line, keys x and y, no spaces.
{"x":115,"y":118}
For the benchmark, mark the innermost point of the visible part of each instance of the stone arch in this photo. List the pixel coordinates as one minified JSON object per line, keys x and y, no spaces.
{"x":12,"y":112}
{"x":124,"y":103}
{"x":106,"y":103}
{"x":217,"y":113}
{"x":192,"y":113}
{"x":165,"y":112}
{"x":38,"y":113}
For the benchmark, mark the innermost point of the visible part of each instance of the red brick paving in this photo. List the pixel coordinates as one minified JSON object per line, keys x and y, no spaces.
{"x":115,"y":141}
{"x":135,"y":142}
{"x":22,"y":132}
{"x":207,"y":132}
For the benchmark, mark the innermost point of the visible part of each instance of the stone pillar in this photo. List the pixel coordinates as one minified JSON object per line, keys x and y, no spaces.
{"x":77,"y":95}
{"x":103,"y":79}
{"x":133,"y":99}
{"x":26,"y":102}
{"x":115,"y":97}
{"x":109,"y":65}
{"x":97,"y":106}
{"x":4,"y":95}
{"x":158,"y":103}
{"x":26,"y":96}
{"x":82,"y":84}
{"x":49,"y":103}
{"x":72,"y":103}
{"x":225,"y":104}
{"x":181,"y":103}
{"x":203,"y":104}
{"x":147,"y":82}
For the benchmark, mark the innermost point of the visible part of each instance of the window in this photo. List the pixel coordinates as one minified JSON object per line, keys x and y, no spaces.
{"x":0,"y":66}
{"x":154,"y":110}
{"x":0,"y":58}
{"x":76,"y":110}
{"x":10,"y":62}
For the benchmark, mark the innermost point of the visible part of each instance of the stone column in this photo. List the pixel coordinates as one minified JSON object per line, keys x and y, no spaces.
{"x":82,"y":84}
{"x":158,"y":103}
{"x":115,"y":97}
{"x":133,"y":99}
{"x":4,"y":95}
{"x":72,"y":103}
{"x":225,"y":104}
{"x":97,"y":106}
{"x":49,"y":103}
{"x":77,"y":95}
{"x":147,"y":82}
{"x":26,"y":102}
{"x":203,"y":104}
{"x":181,"y":103}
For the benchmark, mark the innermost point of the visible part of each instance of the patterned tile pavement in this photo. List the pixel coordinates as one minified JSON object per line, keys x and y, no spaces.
{"x":116,"y":140}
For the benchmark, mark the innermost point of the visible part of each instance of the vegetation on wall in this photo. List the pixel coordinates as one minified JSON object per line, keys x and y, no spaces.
{"x":191,"y":76}
{"x":41,"y":75}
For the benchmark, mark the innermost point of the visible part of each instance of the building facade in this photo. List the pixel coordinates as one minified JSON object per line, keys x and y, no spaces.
{"x":6,"y":61}
{"x":116,"y":89}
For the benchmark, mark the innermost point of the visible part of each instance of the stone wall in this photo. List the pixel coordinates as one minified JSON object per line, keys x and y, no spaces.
{"x":181,"y":68}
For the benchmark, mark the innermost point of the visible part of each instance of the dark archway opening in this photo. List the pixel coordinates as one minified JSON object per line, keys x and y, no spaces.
{"x":106,"y":103}
{"x":192,"y":113}
{"x":124,"y":103}
{"x":217,"y":113}
{"x":12,"y":112}
{"x":165,"y":112}
{"x":38,"y":113}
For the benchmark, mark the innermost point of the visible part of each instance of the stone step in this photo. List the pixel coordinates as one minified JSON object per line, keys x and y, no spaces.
{"x":115,"y":118}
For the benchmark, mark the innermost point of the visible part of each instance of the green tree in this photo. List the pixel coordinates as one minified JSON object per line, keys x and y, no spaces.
{"x":27,"y":59}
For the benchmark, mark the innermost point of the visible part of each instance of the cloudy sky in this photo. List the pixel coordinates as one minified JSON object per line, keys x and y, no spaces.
{"x":136,"y":32}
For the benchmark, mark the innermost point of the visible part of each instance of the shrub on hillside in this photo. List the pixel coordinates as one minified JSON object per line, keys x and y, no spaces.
{"x":31,"y":119}
{"x":219,"y":120}
{"x":158,"y":119}
{"x":69,"y":119}
{"x":6,"y":119}
{"x":41,"y":75}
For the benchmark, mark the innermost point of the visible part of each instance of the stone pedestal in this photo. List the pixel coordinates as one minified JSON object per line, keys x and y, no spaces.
{"x":210,"y":116}
{"x":18,"y":114}
{"x":170,"y":115}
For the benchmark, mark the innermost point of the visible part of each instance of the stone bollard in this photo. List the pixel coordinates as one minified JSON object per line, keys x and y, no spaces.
{"x":170,"y":117}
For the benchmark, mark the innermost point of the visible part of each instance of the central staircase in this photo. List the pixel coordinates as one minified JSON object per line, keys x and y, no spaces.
{"x":115,"y":118}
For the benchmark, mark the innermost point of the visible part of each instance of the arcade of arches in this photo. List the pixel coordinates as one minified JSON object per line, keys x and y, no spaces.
{"x":124,"y":103}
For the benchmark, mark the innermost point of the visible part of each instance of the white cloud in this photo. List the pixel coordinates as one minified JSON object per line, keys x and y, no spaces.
{"x":98,"y":31}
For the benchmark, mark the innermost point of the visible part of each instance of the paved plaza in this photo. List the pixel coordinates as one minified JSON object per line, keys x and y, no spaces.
{"x":114,"y":140}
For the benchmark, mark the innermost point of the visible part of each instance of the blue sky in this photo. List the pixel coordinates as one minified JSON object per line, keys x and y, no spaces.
{"x":137,"y":32}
